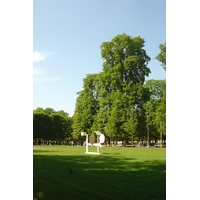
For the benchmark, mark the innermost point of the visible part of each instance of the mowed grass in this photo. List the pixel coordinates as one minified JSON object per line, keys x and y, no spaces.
{"x":118,"y":173}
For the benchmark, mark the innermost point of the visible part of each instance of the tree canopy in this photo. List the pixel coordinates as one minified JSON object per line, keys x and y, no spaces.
{"x":125,"y":61}
{"x":112,"y":100}
{"x":116,"y":101}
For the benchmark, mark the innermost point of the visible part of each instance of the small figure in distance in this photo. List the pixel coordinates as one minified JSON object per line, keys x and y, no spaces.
{"x":70,"y":171}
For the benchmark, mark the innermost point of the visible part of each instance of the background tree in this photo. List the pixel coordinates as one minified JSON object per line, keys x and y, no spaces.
{"x":67,"y":125}
{"x":86,"y":106}
{"x":161,"y":110}
{"x":51,"y":125}
{"x":77,"y":117}
{"x":157,"y":89}
{"x":49,"y":110}
{"x":89,"y":103}
{"x":37,"y":126}
{"x":115,"y":120}
{"x":161,"y":57}
{"x":41,"y":125}
{"x":104,"y":101}
{"x":58,"y":126}
{"x":141,"y":98}
{"x":161,"y":117}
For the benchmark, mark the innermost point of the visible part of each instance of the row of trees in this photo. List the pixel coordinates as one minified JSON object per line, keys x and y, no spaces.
{"x":117,"y":101}
{"x":51,"y":125}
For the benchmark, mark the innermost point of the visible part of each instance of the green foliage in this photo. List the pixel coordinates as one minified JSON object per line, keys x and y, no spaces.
{"x":161,"y":57}
{"x":156,"y":107}
{"x":88,"y":103}
{"x":86,"y":107}
{"x":58,"y":126}
{"x":115,"y":120}
{"x":156,"y":88}
{"x":161,"y":115}
{"x":125,"y":67}
{"x":41,"y":125}
{"x":125,"y":60}
{"x":51,"y":125}
{"x":49,"y":110}
{"x":130,"y":124}
{"x":77,"y":117}
{"x":160,"y":118}
{"x":113,"y":99}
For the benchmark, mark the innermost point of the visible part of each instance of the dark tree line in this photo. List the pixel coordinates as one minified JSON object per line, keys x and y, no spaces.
{"x":51,"y":126}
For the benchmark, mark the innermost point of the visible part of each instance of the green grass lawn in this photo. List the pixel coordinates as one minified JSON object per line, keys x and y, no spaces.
{"x":118,"y":173}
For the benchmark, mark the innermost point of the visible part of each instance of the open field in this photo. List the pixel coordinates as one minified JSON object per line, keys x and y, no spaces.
{"x":118,"y":173}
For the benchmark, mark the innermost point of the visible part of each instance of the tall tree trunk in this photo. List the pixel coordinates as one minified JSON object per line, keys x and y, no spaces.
{"x":132,"y":140}
{"x":111,"y":140}
{"x":125,"y":142}
{"x":161,"y":141}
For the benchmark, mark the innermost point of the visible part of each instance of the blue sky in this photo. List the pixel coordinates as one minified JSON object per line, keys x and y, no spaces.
{"x":67,"y":36}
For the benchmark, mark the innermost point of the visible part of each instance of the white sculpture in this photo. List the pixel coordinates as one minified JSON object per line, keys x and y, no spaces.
{"x":102,"y":139}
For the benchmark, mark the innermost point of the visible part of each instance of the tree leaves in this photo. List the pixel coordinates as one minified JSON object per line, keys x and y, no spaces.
{"x":114,"y":100}
{"x":161,"y":57}
{"x":51,"y":125}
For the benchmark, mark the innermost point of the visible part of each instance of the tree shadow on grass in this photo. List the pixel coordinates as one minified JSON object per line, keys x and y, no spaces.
{"x":43,"y":151}
{"x":97,"y":177}
{"x":110,"y":153}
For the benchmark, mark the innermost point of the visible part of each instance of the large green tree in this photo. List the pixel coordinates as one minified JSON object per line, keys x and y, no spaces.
{"x":112,"y":100}
{"x":125,"y":65}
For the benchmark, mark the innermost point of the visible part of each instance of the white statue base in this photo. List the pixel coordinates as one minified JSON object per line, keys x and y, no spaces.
{"x":93,"y":153}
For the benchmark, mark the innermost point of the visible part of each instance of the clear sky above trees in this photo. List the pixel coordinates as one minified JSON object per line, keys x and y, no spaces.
{"x":67,"y":36}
